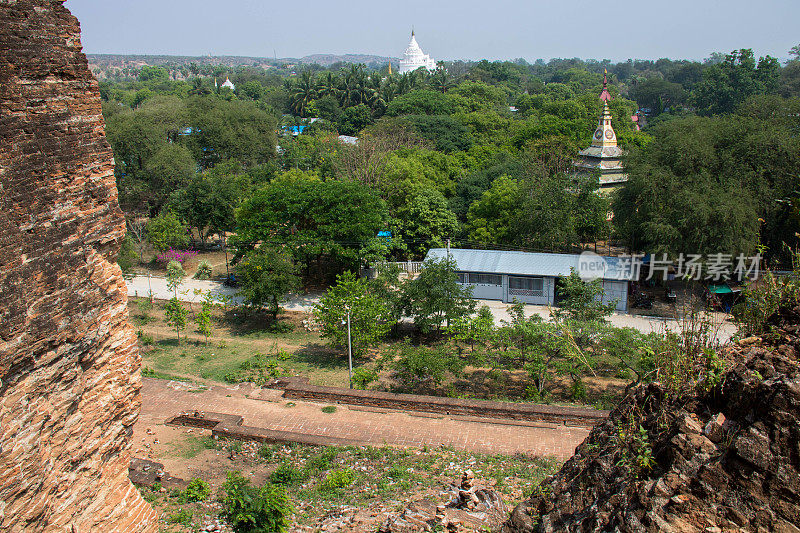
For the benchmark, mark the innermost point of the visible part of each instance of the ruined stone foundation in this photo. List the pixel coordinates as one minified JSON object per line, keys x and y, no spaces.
{"x":725,"y":456}
{"x":69,"y":362}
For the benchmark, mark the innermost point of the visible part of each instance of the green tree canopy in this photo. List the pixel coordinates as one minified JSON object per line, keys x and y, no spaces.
{"x":425,"y":221}
{"x":267,"y":275}
{"x":236,"y":129}
{"x":326,"y":224}
{"x":728,"y":84}
{"x":421,"y":102}
{"x":435,"y":297}
{"x":703,"y":184}
{"x":165,"y":231}
{"x":369,"y":317}
{"x":493,"y":217}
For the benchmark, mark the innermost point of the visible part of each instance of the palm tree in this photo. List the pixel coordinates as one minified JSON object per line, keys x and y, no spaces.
{"x":329,"y":85}
{"x":346,"y":83}
{"x":303,"y":92}
{"x":441,"y":81}
{"x":404,"y":83}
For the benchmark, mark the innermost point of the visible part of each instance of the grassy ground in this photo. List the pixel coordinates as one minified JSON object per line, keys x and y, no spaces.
{"x":321,"y":482}
{"x":245,"y":346}
{"x":242,"y":345}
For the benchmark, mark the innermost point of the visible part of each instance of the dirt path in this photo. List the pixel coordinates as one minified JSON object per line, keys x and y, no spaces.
{"x":162,"y":399}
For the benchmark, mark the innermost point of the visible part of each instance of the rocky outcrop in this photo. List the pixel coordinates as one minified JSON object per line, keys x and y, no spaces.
{"x":724,"y":458}
{"x":69,"y":363}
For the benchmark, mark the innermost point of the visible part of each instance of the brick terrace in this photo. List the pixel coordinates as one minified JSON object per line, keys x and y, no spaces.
{"x":162,"y":399}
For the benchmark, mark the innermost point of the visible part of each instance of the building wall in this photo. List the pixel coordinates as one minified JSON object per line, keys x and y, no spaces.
{"x":616,"y":290}
{"x":546,"y":298}
{"x":613,"y":291}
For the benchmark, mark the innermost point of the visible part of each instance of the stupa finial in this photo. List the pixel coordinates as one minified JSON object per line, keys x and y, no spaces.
{"x":605,"y":96}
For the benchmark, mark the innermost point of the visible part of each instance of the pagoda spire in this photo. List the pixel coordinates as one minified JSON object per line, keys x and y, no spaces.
{"x":604,"y":135}
{"x":604,"y":94}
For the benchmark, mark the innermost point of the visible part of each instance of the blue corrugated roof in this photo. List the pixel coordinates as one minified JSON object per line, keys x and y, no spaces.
{"x":526,"y":263}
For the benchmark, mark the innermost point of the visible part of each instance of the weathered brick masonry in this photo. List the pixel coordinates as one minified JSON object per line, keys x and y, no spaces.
{"x":69,"y":363}
{"x":575,"y":416}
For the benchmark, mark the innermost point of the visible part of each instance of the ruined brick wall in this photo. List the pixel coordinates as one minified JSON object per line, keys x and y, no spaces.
{"x":69,"y":363}
{"x":725,"y":459}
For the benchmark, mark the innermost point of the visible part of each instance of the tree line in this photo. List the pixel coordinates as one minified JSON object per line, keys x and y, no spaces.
{"x":480,"y":153}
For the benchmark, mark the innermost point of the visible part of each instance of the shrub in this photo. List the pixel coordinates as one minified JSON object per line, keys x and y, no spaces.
{"x":323,"y":460}
{"x":204,"y":270}
{"x":182,"y":516}
{"x":250,"y":509}
{"x":329,"y":409}
{"x":280,"y":327}
{"x":416,"y":365}
{"x":144,"y":338}
{"x":578,"y":390}
{"x":636,"y":451}
{"x":166,"y":231}
{"x":286,"y":474}
{"x":266,"y":452}
{"x":337,"y":480}
{"x":362,"y":377}
{"x":759,"y":301}
{"x":197,"y":491}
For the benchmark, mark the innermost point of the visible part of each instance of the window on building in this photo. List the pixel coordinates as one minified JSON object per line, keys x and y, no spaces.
{"x":485,"y":279}
{"x":462,"y":278}
{"x":526,"y":286}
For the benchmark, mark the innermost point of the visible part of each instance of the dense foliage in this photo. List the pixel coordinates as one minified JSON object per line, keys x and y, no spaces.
{"x":476,"y":152}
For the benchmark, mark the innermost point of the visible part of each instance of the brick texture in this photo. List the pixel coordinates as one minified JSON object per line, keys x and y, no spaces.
{"x":449,"y":406}
{"x":69,"y":363}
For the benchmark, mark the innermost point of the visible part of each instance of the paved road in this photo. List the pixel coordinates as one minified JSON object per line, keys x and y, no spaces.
{"x":162,"y":399}
{"x":141,"y":285}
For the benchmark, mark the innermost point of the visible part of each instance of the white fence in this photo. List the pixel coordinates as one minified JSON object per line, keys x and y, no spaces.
{"x":411,"y":268}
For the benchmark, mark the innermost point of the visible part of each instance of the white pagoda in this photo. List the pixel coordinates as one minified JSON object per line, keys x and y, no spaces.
{"x":229,"y":84}
{"x":414,"y":58}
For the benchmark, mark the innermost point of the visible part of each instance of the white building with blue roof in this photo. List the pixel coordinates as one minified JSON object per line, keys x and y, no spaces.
{"x":532,"y":277}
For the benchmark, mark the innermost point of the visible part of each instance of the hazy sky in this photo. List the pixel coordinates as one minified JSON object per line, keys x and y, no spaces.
{"x":446,"y":29}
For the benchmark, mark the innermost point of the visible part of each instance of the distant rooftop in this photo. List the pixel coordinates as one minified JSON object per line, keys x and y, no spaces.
{"x":526,"y":263}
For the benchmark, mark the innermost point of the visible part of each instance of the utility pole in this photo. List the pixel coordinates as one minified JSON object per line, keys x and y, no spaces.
{"x":225,"y":247}
{"x":447,"y":313}
{"x":349,"y":350}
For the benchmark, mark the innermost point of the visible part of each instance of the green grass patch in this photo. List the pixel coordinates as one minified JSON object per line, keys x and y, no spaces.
{"x":192,"y":445}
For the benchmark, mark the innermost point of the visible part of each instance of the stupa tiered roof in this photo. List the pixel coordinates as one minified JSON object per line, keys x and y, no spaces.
{"x":414,"y":58}
{"x":604,"y":155}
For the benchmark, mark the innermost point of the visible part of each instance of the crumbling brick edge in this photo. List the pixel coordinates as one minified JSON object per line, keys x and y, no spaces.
{"x":227,"y":426}
{"x":572,"y":416}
